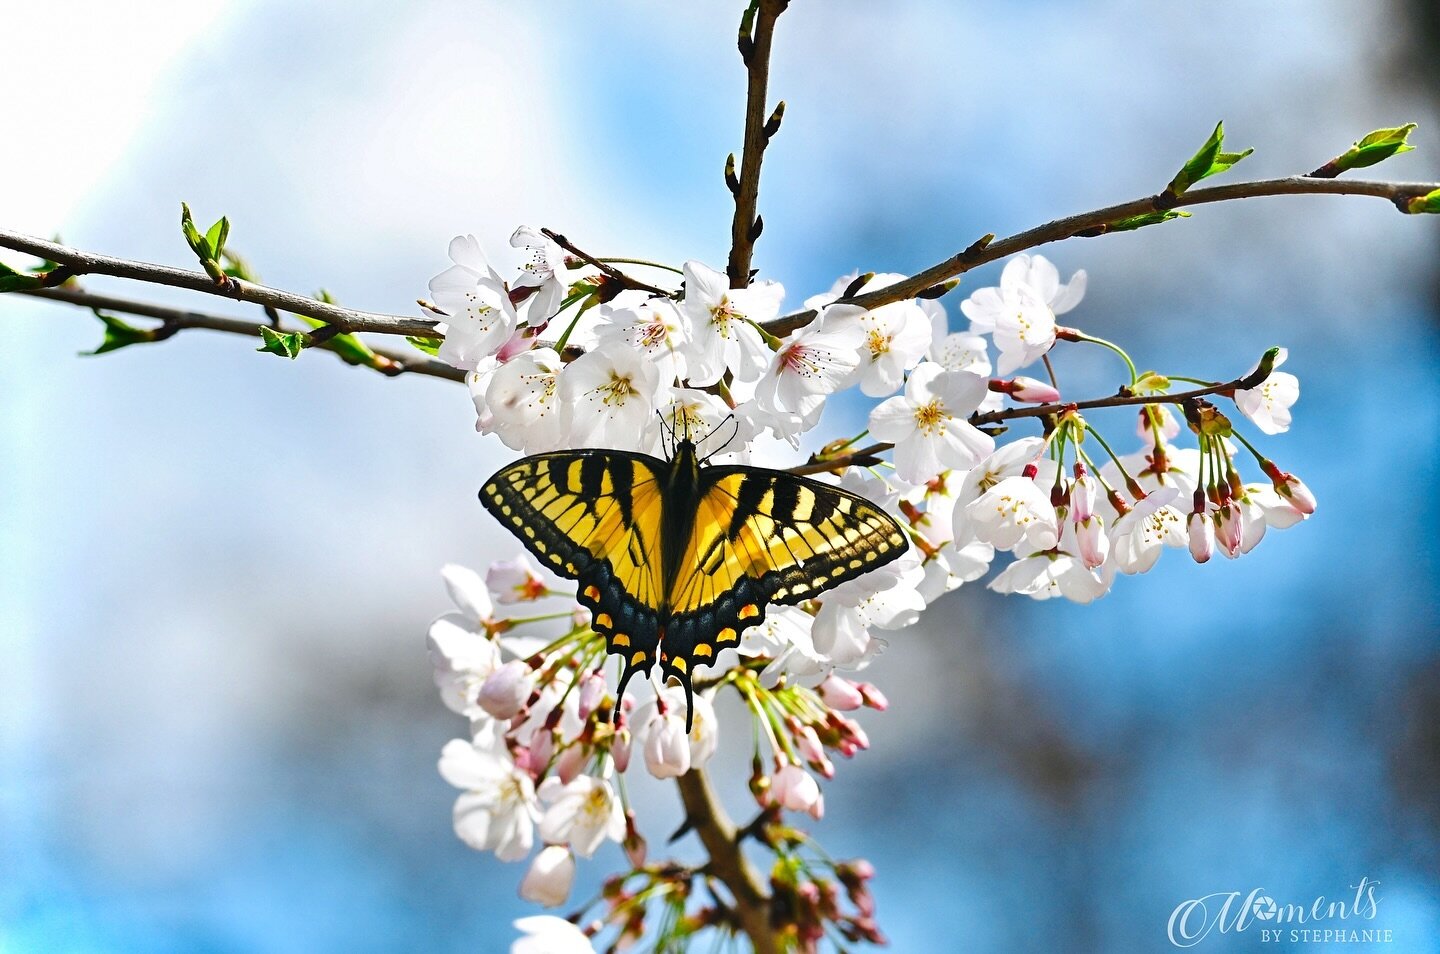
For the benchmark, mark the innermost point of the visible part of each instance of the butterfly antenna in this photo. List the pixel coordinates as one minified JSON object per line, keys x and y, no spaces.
{"x":663,"y":431}
{"x":729,"y":419}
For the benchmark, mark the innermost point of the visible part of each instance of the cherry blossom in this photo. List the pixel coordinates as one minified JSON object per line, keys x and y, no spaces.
{"x":522,"y":398}
{"x":652,"y":326}
{"x":794,"y":789}
{"x":515,"y":581}
{"x":1020,"y":313}
{"x":812,"y":362}
{"x":1140,"y":533}
{"x":582,"y":813}
{"x":1015,"y":509}
{"x":723,"y":332}
{"x":545,"y":270}
{"x":608,"y":397}
{"x":544,"y":934}
{"x":474,"y":305}
{"x":1050,"y":574}
{"x":497,"y":809}
{"x":551,"y":874}
{"x":894,"y":338}
{"x":928,"y":426}
{"x":670,"y":750}
{"x":1268,"y":403}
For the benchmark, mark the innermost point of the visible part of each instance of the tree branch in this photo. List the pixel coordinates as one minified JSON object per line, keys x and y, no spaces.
{"x":1099,"y":221}
{"x":707,"y":817}
{"x":173,"y":320}
{"x":1123,"y":399}
{"x":74,"y":262}
{"x":745,"y":227}
{"x":610,"y":271}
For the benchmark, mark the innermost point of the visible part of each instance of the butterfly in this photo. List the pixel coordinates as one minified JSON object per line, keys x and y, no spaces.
{"x":676,"y":558}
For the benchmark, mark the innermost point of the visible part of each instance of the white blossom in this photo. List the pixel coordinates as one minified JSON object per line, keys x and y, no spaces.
{"x":1050,"y":574}
{"x":928,"y":426}
{"x":1020,"y":313}
{"x":477,"y":312}
{"x":722,"y":325}
{"x":545,"y":270}
{"x":1014,"y":510}
{"x":583,"y":813}
{"x":522,"y":398}
{"x":1268,"y":403}
{"x":545,"y":934}
{"x":793,"y":788}
{"x":669,"y":750}
{"x":813,"y":361}
{"x":1139,"y":534}
{"x":496,"y":810}
{"x":608,"y":397}
{"x":550,"y":877}
{"x":650,"y":325}
{"x":894,"y":338}
{"x":515,"y":581}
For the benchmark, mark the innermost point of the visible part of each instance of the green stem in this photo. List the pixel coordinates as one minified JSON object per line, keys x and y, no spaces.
{"x":640,"y":261}
{"x":1113,"y":456}
{"x":1082,"y":336}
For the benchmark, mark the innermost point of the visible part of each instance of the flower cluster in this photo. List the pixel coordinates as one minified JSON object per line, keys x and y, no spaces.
{"x":570,"y":353}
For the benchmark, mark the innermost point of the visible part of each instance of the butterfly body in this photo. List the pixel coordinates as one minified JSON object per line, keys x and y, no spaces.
{"x":674,"y":559}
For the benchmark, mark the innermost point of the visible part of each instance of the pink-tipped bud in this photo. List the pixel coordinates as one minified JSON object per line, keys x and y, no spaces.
{"x":504,"y":692}
{"x":620,"y":749}
{"x":569,"y":764}
{"x":1202,"y":536}
{"x":1230,"y":530}
{"x":1092,"y":541}
{"x":1083,"y":494}
{"x":542,"y":747}
{"x":592,"y":693}
{"x":634,"y":843}
{"x":1294,"y":492}
{"x":793,"y":788}
{"x":1033,"y":391}
{"x":852,"y":736}
{"x":840,"y":693}
{"x":550,"y":876}
{"x":874,"y":698}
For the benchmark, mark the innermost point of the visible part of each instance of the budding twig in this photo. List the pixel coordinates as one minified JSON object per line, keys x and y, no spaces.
{"x":1071,"y":226}
{"x":759,"y":127}
{"x":173,"y":320}
{"x":608,"y":270}
{"x":76,"y":262}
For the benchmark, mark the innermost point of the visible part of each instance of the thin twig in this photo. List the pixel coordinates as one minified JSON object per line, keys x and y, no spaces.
{"x":74,"y":262}
{"x":177,"y":319}
{"x":708,"y":819}
{"x":1097,"y":222}
{"x":746,"y":225}
{"x":1123,"y":399}
{"x":609,"y":270}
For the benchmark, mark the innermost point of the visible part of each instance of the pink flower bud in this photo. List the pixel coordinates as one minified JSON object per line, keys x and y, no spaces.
{"x":1033,"y":391}
{"x":1202,"y":537}
{"x":840,"y":693}
{"x":1083,"y":494}
{"x":504,"y":692}
{"x":542,"y":746}
{"x":592,"y":693}
{"x":1230,"y":530}
{"x":514,"y":581}
{"x":795,"y":789}
{"x":550,"y":876}
{"x":873,"y":697}
{"x":634,"y":843}
{"x":620,"y":749}
{"x":667,"y":747}
{"x":569,"y":764}
{"x":1093,"y":542}
{"x":852,"y":737}
{"x":1293,"y":490}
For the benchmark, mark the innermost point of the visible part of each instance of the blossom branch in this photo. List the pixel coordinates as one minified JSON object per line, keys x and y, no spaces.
{"x":718,"y":834}
{"x":746,"y":226}
{"x":73,"y":262}
{"x":1124,"y":398}
{"x":1100,"y":221}
{"x":174,"y":320}
{"x":621,"y":279}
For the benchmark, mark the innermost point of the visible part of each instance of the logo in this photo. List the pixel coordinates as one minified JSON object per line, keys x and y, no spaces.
{"x":1319,"y":920}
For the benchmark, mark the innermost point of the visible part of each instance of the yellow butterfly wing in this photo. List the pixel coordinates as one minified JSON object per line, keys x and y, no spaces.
{"x":765,"y":536}
{"x":594,"y":516}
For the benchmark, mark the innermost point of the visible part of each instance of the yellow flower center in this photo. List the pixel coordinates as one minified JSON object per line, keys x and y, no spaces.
{"x":931,"y":418}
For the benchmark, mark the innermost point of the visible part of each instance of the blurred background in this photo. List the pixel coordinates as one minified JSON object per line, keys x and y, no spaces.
{"x":217,"y":726}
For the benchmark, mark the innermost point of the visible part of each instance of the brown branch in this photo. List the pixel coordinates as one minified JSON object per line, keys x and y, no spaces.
{"x":74,"y":262}
{"x":173,"y":320}
{"x":610,"y":271}
{"x":1122,"y":399}
{"x":1098,"y":222}
{"x":746,"y":225}
{"x":707,"y":817}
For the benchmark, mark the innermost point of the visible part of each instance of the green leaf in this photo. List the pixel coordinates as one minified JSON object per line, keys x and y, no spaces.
{"x":216,"y":236}
{"x":1429,"y":203}
{"x":1149,"y":218}
{"x":193,"y":238}
{"x":1209,"y":161}
{"x":350,"y":348}
{"x":1375,"y":147}
{"x":285,"y":344}
{"x":119,"y":334}
{"x":430,"y":346}
{"x":11,"y":280}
